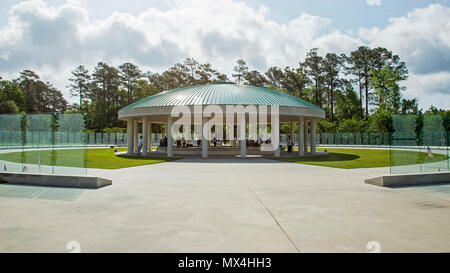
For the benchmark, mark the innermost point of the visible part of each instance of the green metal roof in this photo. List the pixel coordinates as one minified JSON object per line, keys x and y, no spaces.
{"x":221,"y":94}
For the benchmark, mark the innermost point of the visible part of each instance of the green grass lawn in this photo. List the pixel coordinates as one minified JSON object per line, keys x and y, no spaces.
{"x":102,"y":158}
{"x":363,"y":158}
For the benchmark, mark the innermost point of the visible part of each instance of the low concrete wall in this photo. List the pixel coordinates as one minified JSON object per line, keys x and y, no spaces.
{"x":84,"y":182}
{"x":409,"y":179}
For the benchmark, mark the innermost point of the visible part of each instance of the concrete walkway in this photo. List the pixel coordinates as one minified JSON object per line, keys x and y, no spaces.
{"x":232,"y":205}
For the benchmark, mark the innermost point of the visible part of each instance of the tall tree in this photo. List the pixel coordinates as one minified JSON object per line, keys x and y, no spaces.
{"x":130,"y":73}
{"x":106,"y":81}
{"x":176,"y":76}
{"x":54,"y":98}
{"x":11,"y":98}
{"x":27,"y":82}
{"x":364,"y":59}
{"x":359,"y":67}
{"x":433,"y":110}
{"x":314,"y":68}
{"x":40,"y":97}
{"x":144,"y":89}
{"x":193,"y":67}
{"x":275,"y":77}
{"x":410,"y":106}
{"x":240,"y":69}
{"x":295,"y":81}
{"x":332,"y":64}
{"x":80,"y":83}
{"x":205,"y":73}
{"x":255,"y":78}
{"x":185,"y":74}
{"x":387,"y":89}
{"x":157,"y":80}
{"x":347,"y":103}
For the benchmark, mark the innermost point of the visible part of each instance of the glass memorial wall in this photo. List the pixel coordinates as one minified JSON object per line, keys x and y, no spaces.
{"x":419,"y":143}
{"x":339,"y":139}
{"x":43,"y":144}
{"x":107,"y":139}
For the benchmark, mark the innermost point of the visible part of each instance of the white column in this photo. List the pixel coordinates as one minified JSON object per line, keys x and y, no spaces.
{"x":242,"y":137}
{"x":300,"y":137}
{"x":130,"y":136}
{"x":144,"y":135}
{"x":276,"y":135}
{"x":135,"y":135}
{"x":305,"y":136}
{"x":169,"y":137}
{"x":149,"y":134}
{"x":313,"y":136}
{"x":205,"y":138}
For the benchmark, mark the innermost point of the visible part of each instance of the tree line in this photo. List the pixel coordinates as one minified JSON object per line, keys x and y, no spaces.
{"x":359,"y":91}
{"x":29,"y":94}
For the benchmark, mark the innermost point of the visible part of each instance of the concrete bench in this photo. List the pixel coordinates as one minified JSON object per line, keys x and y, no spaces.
{"x":409,"y":179}
{"x":51,"y":180}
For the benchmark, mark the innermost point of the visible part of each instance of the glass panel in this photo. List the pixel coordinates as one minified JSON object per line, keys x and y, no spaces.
{"x":434,"y":159}
{"x":91,"y":139}
{"x":364,"y":138}
{"x":70,"y":153}
{"x":11,"y":141}
{"x":98,"y":138}
{"x":358,"y":139}
{"x":323,"y":139}
{"x":33,"y":149}
{"x":419,"y":144}
{"x":330,"y":137}
{"x":43,"y":144}
{"x":405,"y":155}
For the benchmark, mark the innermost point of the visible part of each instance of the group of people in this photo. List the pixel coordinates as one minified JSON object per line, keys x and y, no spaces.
{"x":181,"y":142}
{"x":162,"y":143}
{"x":290,"y":144}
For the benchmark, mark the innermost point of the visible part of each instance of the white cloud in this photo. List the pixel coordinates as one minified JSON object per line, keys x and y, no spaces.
{"x":427,"y":84}
{"x":374,"y":2}
{"x":432,"y":89}
{"x":219,"y":32}
{"x":422,"y":40}
{"x":421,"y":37}
{"x":53,"y":40}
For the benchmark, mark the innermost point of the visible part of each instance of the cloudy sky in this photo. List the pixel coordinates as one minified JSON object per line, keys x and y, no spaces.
{"x":51,"y":37}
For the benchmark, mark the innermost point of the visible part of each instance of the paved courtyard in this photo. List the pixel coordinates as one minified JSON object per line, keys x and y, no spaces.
{"x":227,"y":205}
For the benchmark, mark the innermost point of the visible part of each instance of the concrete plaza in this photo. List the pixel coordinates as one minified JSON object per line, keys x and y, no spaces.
{"x":228,"y":205}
